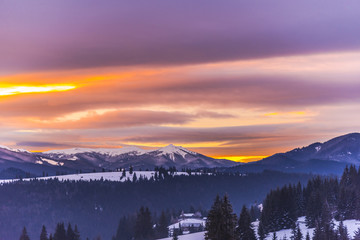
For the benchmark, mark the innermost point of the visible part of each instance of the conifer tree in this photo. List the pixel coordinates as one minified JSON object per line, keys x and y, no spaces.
{"x":213,"y":223}
{"x":274,"y":237}
{"x":307,"y":236}
{"x":60,"y":233}
{"x":43,"y":234}
{"x":24,"y":235}
{"x":343,"y":232}
{"x":134,"y":179}
{"x":221,"y":222}
{"x":76,"y":233}
{"x":124,"y":230}
{"x":143,"y":225}
{"x":175,"y":236}
{"x":70,"y":235}
{"x":261,"y":231}
{"x":245,"y":230}
{"x":161,"y":228}
{"x":357,"y":234}
{"x":229,"y":220}
{"x":296,"y":233}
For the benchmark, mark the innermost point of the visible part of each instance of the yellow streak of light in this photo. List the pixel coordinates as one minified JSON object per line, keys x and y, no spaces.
{"x":241,"y":158}
{"x":298,"y":113}
{"x":15,"y":90}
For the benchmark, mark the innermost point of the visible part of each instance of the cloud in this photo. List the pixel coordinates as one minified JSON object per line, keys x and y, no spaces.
{"x":271,"y":93}
{"x":67,"y":35}
{"x":42,"y":144}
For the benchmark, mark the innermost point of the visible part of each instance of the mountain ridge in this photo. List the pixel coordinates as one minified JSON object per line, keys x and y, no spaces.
{"x":329,"y":157}
{"x":100,"y":159}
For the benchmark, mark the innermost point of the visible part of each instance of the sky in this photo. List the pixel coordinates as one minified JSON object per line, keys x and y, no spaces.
{"x":230,"y":79}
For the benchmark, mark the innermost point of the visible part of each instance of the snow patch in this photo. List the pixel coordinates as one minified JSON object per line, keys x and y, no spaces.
{"x":171,"y":150}
{"x":49,"y":161}
{"x":106,"y":151}
{"x":13,"y":149}
{"x":109,"y":176}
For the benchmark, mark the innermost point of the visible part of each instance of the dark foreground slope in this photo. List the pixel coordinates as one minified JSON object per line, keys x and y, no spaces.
{"x":97,"y":206}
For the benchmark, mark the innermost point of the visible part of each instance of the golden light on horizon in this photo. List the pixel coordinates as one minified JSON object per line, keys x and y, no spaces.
{"x":243,"y":159}
{"x":15,"y":90}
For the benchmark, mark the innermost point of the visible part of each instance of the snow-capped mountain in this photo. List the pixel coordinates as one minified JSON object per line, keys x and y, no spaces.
{"x":324,"y":158}
{"x":17,"y":162}
{"x":169,"y":156}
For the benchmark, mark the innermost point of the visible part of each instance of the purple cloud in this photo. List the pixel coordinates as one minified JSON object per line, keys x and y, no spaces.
{"x":81,"y":34}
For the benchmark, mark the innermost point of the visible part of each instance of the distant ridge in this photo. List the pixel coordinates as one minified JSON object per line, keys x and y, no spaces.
{"x":329,"y":157}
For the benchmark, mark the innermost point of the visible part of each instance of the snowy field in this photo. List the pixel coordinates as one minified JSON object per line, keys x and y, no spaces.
{"x":352,"y":226}
{"x":110,"y":176}
{"x":192,"y":236}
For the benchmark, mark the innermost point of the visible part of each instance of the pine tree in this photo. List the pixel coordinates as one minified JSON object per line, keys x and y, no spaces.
{"x":143,"y":225}
{"x":343,"y":232}
{"x":43,"y":234}
{"x":221,"y":222}
{"x":60,"y":233}
{"x":124,"y":230}
{"x":24,"y":235}
{"x":70,"y":235}
{"x":245,"y":230}
{"x":134,"y":179}
{"x":161,"y":228}
{"x":307,"y":236}
{"x":229,"y":220}
{"x":296,"y":233}
{"x":213,"y":222}
{"x":261,"y":231}
{"x":175,"y":236}
{"x":357,"y":234}
{"x":274,"y":237}
{"x":51,"y":237}
{"x":76,"y":233}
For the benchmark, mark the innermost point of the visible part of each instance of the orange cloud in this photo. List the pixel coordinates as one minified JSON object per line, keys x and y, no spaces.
{"x":15,"y":90}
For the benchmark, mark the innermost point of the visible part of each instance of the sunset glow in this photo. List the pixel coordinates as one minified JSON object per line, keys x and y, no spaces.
{"x":215,"y":81}
{"x":15,"y":90}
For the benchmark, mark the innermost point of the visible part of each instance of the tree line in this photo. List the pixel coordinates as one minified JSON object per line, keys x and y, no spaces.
{"x":97,"y":206}
{"x":61,"y":233}
{"x":320,"y":201}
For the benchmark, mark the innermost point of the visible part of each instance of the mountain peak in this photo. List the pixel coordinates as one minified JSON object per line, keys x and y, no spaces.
{"x":171,"y":148}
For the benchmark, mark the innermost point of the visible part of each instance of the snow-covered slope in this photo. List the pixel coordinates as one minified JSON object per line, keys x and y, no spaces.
{"x":13,"y":149}
{"x":106,"y":151}
{"x":169,"y":156}
{"x":15,"y":161}
{"x":109,"y":176}
{"x":192,"y":236}
{"x":352,"y":226}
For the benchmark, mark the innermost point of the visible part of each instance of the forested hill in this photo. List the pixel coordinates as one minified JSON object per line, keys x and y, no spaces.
{"x":97,"y":206}
{"x":320,"y":201}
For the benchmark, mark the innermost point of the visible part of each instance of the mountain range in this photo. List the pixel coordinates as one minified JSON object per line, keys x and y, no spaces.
{"x":329,"y":157}
{"x":17,"y":162}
